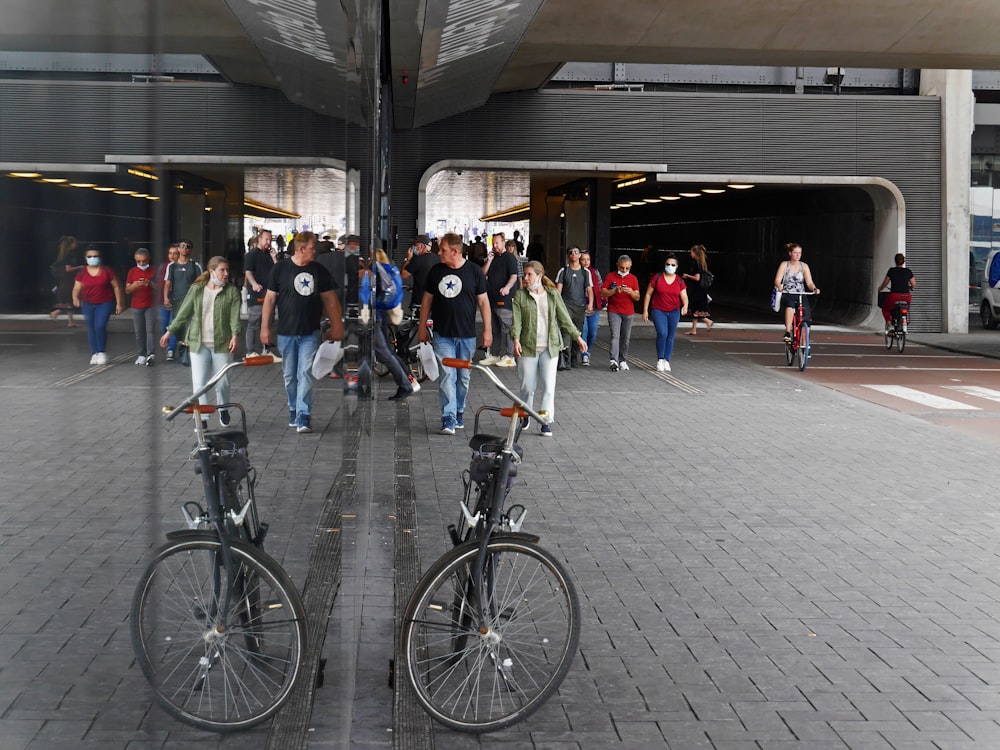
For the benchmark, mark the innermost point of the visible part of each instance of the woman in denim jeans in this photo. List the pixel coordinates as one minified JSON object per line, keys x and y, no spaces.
{"x":98,"y":292}
{"x":666,"y":300}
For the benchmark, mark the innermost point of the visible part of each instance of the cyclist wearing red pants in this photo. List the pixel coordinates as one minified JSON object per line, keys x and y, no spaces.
{"x":901,"y":282}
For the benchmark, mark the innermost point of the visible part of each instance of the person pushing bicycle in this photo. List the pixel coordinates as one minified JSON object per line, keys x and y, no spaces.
{"x":792,"y":279}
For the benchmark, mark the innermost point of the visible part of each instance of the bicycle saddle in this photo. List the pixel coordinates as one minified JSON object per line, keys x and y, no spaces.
{"x":482,"y":442}
{"x":227,"y":439}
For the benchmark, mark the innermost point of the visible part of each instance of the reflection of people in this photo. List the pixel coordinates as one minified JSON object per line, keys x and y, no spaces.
{"x":387,"y":275}
{"x":301,"y":290}
{"x":209,"y":298}
{"x":257,"y":269}
{"x":575,"y":285}
{"x":65,"y":268}
{"x":140,"y":283}
{"x":665,"y":301}
{"x":621,"y":290}
{"x":180,"y":275}
{"x":794,"y":276}
{"x":455,"y":288}
{"x":593,"y":318}
{"x":98,"y":292}
{"x":418,"y":264}
{"x":501,"y":283}
{"x":901,"y":282}
{"x":697,"y":294}
{"x":540,"y":318}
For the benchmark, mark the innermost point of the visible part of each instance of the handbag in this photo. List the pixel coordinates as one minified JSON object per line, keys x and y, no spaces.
{"x":706,"y":279}
{"x":776,"y":300}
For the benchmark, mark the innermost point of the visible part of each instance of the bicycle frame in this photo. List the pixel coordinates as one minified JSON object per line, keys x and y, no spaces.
{"x":209,"y":476}
{"x":508,"y":455}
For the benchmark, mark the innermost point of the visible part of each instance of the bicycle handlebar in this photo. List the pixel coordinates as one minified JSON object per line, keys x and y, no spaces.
{"x":264,"y":359}
{"x":464,"y":364}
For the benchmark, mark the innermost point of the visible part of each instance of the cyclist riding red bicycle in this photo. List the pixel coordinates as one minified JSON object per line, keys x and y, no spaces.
{"x":793,"y":278}
{"x":901,"y":282}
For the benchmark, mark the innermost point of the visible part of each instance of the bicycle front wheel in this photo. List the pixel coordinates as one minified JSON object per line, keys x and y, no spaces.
{"x":802,"y":353}
{"x":481,"y":676}
{"x":215,"y":670}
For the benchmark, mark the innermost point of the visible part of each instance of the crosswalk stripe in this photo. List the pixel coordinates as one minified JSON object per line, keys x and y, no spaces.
{"x":919,"y":397}
{"x":977,"y":391}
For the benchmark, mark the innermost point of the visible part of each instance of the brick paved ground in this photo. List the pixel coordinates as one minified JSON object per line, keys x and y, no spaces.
{"x":836,"y":593}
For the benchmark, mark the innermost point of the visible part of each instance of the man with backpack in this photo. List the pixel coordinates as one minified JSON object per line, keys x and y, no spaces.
{"x":577,"y":289}
{"x":180,"y":275}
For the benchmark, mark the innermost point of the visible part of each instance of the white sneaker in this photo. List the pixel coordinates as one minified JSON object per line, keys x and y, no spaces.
{"x":140,"y":360}
{"x":659,"y":365}
{"x":102,"y":358}
{"x":275,"y":355}
{"x":623,"y":366}
{"x":488,"y":360}
{"x":666,"y":366}
{"x":93,"y":359}
{"x":507,"y":361}
{"x":252,"y":354}
{"x":415,"y":385}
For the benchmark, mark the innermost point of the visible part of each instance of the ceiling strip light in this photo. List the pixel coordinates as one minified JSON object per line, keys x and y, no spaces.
{"x":506,"y":212}
{"x":258,"y":206}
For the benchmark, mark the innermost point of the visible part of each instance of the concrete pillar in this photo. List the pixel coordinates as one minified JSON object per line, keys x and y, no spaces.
{"x":954,"y":87}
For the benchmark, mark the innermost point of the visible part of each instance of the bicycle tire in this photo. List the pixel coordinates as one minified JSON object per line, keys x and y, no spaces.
{"x":888,"y":336}
{"x":789,"y":353}
{"x":802,"y":354}
{"x":222,"y":676}
{"x":901,"y":341}
{"x":481,"y":682}
{"x":380,"y":368}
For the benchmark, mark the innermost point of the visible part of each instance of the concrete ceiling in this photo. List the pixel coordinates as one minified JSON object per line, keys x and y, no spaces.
{"x":448,"y":56}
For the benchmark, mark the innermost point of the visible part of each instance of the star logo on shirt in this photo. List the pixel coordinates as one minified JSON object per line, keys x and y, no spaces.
{"x":450,"y":286}
{"x":305,"y":284}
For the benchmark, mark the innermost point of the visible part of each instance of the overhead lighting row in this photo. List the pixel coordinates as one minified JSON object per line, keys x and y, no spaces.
{"x":679,"y":196}
{"x":63,"y":182}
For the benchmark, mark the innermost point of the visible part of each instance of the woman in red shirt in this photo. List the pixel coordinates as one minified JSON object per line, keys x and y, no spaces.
{"x":140,"y":283}
{"x":668,"y":298}
{"x":98,"y":292}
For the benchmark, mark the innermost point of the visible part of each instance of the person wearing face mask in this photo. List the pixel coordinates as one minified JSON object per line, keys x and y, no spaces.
{"x":139,"y":283}
{"x":539,"y":322}
{"x":97,"y":291}
{"x":666,"y":300}
{"x":621,"y":290}
{"x":208,"y":321}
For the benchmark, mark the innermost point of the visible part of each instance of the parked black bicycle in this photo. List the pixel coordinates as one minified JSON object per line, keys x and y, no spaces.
{"x":491,"y":628}
{"x":218,"y":627}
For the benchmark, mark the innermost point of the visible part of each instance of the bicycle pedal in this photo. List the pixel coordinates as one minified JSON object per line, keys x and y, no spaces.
{"x":321,"y":673}
{"x":453,"y":533}
{"x":261,"y":533}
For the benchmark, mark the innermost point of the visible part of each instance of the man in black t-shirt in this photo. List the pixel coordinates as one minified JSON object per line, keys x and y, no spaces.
{"x":301,"y":290}
{"x":455,"y":289}
{"x":417,"y":265}
{"x":501,"y":283}
{"x":256,"y":272}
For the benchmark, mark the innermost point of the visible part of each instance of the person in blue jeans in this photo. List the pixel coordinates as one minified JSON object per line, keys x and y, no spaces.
{"x":301,"y":290}
{"x":593,"y":317}
{"x":455,"y":289}
{"x":665,"y":301}
{"x":98,"y":293}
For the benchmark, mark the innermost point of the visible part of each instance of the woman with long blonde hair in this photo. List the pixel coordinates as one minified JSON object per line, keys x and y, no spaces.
{"x":208,"y":321}
{"x":64,"y":271}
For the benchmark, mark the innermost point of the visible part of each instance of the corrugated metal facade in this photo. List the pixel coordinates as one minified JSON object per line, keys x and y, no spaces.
{"x":895,"y":138}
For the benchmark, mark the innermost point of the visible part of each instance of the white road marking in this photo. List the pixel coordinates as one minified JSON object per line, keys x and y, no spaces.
{"x":919,"y":397}
{"x":977,"y":391}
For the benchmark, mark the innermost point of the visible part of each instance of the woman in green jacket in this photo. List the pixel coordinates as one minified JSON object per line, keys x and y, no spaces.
{"x":540,"y":319}
{"x":210,"y":298}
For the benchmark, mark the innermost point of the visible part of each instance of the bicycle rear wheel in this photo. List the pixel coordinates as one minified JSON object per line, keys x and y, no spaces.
{"x":482,"y":676}
{"x":888,"y":336}
{"x":215,"y":671}
{"x":789,"y":353}
{"x":901,"y":336}
{"x":802,"y":353}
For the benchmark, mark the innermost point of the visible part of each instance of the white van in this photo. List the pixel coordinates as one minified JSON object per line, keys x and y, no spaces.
{"x":989,"y":308}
